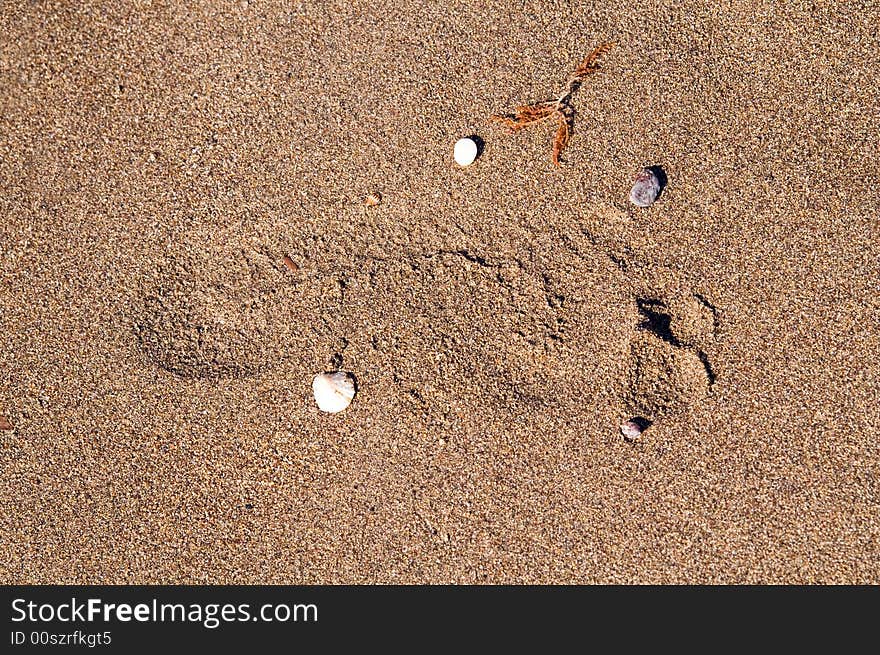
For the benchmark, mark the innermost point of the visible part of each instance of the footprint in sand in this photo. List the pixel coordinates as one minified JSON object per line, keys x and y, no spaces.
{"x":432,"y":320}
{"x":460,"y":324}
{"x":670,"y":369}
{"x":225,"y":305}
{"x":219,"y":306}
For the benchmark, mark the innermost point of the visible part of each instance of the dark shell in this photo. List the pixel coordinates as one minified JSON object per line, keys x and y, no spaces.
{"x":646,"y":189}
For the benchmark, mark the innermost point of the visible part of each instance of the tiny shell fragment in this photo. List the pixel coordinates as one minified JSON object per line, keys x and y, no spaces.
{"x":5,"y":424}
{"x":373,"y":199}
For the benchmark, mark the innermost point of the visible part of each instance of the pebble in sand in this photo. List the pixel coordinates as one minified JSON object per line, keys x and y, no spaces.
{"x":465,"y":151}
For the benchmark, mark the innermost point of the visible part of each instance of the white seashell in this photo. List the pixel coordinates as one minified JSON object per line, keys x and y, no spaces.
{"x":631,"y":430}
{"x":465,"y":151}
{"x":646,"y":189}
{"x":333,"y":391}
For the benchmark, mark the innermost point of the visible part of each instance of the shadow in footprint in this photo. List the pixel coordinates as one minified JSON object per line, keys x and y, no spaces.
{"x":656,"y":320}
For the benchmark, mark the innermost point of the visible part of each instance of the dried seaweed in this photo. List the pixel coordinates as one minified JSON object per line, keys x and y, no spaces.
{"x":560,"y":109}
{"x":563,"y":134}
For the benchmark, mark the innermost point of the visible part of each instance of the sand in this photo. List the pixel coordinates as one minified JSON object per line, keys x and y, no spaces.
{"x":158,"y":160}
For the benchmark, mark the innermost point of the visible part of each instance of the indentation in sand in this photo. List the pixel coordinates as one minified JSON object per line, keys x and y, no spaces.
{"x":670,"y":368}
{"x":203,"y":320}
{"x":504,"y":326}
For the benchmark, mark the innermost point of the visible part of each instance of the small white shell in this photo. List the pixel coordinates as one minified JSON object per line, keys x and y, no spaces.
{"x":333,"y":391}
{"x":465,"y":151}
{"x":631,"y":430}
{"x":646,"y":189}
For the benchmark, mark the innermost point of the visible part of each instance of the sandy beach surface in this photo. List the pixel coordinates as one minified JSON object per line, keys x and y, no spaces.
{"x":158,"y":160}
